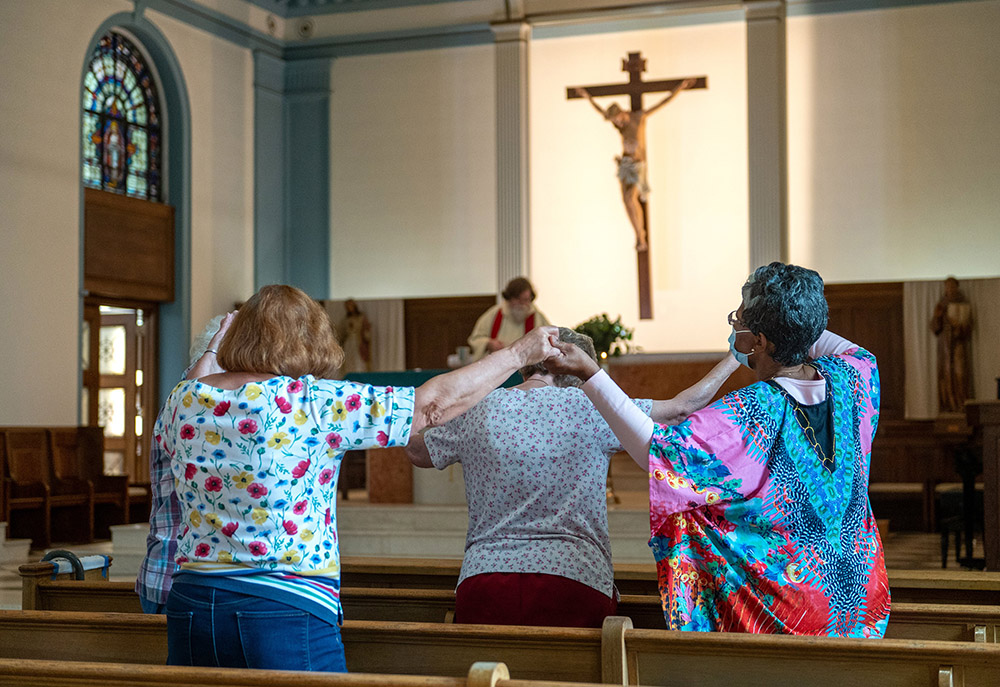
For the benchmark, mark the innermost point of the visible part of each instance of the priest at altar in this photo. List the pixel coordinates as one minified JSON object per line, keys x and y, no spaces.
{"x":507,"y":321}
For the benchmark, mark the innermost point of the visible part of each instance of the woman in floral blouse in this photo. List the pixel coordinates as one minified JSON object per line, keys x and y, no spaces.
{"x":255,"y":453}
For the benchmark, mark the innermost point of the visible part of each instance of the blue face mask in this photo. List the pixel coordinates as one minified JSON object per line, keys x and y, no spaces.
{"x":741,"y":358}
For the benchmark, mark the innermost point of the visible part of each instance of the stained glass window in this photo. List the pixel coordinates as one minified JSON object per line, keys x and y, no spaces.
{"x":121,"y":121}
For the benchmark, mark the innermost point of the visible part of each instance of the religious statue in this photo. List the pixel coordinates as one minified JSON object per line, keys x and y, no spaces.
{"x":952,"y":324}
{"x":356,"y":333}
{"x":631,"y":124}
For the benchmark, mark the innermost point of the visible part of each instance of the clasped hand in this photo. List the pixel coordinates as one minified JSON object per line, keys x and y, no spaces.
{"x":570,"y":359}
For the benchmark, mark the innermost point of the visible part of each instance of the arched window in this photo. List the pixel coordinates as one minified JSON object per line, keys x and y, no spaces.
{"x":121,"y":122}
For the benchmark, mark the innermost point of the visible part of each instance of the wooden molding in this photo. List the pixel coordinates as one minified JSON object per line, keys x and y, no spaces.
{"x":128,"y":247}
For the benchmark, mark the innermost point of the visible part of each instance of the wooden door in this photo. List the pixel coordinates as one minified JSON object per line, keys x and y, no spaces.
{"x":120,"y":382}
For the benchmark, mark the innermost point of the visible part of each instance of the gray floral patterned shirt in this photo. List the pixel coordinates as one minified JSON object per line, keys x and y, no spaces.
{"x":535,"y":464}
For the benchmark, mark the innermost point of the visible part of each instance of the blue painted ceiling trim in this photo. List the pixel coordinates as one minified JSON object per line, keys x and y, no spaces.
{"x":640,"y":23}
{"x":809,"y":7}
{"x":385,"y":43}
{"x":304,"y":8}
{"x":661,"y":15}
{"x":214,"y":23}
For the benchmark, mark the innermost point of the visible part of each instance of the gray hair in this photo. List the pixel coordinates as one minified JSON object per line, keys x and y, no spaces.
{"x":566,"y":335}
{"x":787,"y":304}
{"x":200,"y":343}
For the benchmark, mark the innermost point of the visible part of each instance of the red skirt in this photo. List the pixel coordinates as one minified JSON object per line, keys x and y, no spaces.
{"x":530,"y":599}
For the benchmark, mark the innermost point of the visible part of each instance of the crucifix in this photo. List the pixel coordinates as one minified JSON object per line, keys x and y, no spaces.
{"x":631,"y":124}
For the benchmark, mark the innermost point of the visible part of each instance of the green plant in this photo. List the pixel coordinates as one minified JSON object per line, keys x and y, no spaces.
{"x":610,"y":338}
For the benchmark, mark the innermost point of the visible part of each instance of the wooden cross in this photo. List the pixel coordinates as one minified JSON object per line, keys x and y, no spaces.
{"x":635,"y":65}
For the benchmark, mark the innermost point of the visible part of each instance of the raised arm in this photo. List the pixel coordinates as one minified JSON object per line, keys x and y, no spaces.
{"x":829,"y":343}
{"x":695,"y":397}
{"x":441,"y":398}
{"x":584,"y":93}
{"x":632,"y":427}
{"x":687,"y":83}
{"x":207,"y":364}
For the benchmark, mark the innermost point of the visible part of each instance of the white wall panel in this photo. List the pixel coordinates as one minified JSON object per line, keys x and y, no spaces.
{"x":413,"y":174}
{"x":219,"y":79}
{"x":894,"y":147}
{"x":43,"y":46}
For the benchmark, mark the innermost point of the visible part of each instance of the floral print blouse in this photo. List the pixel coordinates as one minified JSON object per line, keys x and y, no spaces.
{"x":535,"y":464}
{"x":255,"y":469}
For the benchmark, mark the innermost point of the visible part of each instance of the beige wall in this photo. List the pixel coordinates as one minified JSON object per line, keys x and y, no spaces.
{"x":893,"y":160}
{"x":413,"y":174}
{"x":219,"y":78}
{"x":43,"y":46}
{"x":894,"y":146}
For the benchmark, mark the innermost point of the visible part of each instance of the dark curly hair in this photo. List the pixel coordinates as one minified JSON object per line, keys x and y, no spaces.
{"x":787,"y":304}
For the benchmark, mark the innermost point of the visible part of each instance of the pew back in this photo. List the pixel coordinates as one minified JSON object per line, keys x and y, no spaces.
{"x":383,"y":647}
{"x":697,"y":659}
{"x":945,"y":586}
{"x":942,"y":622}
{"x":615,"y":655}
{"x":31,"y":673}
{"x":911,"y":586}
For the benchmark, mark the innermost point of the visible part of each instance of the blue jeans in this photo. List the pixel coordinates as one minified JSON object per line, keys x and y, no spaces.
{"x":151,"y":607}
{"x":218,"y":627}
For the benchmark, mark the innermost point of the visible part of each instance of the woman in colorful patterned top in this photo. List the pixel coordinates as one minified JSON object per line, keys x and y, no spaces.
{"x":255,"y":453}
{"x":759,"y":503}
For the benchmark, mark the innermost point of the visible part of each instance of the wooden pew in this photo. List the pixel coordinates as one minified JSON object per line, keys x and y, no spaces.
{"x":945,"y":586}
{"x":911,"y":586}
{"x":30,"y":673}
{"x":943,"y":622}
{"x":617,"y":654}
{"x":442,"y":573}
{"x":697,"y":659}
{"x":386,"y":647}
{"x":78,"y":457}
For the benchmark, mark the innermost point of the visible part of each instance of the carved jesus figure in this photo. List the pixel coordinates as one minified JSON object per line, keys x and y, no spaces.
{"x":631,"y":124}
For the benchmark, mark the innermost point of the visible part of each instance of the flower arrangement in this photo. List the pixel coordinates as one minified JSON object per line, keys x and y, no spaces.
{"x":610,"y":338}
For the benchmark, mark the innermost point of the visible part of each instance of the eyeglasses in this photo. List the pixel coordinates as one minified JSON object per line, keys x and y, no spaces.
{"x":733,"y":320}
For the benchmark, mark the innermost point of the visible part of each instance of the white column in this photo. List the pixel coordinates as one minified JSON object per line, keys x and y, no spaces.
{"x":512,"y":150}
{"x":767,"y":121}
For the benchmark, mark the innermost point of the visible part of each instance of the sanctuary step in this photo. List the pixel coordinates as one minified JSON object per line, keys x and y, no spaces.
{"x":438,"y":531}
{"x":12,"y":550}
{"x":128,"y":548}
